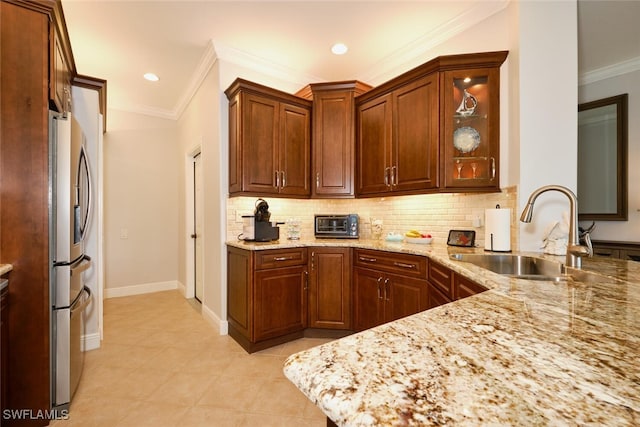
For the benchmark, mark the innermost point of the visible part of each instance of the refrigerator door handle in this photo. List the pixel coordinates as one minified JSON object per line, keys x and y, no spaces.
{"x":82,"y":265}
{"x":81,"y":303}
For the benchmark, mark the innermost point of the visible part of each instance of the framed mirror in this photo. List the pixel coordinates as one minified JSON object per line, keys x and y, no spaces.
{"x":602,"y":159}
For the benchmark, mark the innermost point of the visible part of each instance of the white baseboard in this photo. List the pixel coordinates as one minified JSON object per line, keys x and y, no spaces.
{"x":221,"y":325}
{"x":90,"y":341}
{"x":144,"y":288}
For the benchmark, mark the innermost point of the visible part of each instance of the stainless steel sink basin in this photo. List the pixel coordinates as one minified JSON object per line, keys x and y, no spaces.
{"x":522,"y":267}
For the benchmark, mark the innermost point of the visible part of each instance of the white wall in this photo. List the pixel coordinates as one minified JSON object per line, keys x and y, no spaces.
{"x":141,"y":201}
{"x":628,"y":231}
{"x":546,"y":93}
{"x":199,"y":127}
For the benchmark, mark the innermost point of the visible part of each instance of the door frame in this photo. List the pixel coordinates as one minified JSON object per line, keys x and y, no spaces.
{"x":190,"y":285}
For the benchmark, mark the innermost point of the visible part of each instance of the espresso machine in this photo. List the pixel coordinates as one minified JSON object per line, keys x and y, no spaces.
{"x":257,"y":227}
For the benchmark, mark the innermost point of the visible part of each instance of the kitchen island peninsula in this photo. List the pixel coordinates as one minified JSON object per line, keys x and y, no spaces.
{"x":525,"y":352}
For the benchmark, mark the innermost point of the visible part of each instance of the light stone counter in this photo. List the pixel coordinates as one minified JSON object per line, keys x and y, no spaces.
{"x":523,"y":353}
{"x":5,"y":268}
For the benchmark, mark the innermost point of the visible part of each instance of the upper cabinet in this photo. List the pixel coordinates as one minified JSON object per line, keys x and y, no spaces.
{"x":470,"y":123}
{"x":269,"y":141}
{"x":397,"y":138}
{"x":333,"y":137}
{"x":433,"y":128}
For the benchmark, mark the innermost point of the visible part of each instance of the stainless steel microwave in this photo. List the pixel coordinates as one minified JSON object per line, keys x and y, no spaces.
{"x":337,"y":226}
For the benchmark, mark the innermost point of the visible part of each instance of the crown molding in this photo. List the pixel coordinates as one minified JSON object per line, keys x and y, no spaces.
{"x":393,"y":65}
{"x":609,"y":71}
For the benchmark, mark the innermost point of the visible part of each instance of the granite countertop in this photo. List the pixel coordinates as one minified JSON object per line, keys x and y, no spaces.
{"x":5,"y":268}
{"x":522,"y":353}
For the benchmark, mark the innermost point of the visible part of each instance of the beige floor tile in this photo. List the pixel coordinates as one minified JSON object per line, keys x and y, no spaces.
{"x":256,"y":366}
{"x":162,"y":364}
{"x":279,"y":397}
{"x":210,"y":417}
{"x":182,"y":389}
{"x":154,"y":415}
{"x":254,"y":420}
{"x":231,"y":392}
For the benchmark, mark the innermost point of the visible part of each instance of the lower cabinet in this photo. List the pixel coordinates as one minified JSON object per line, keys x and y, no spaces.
{"x":622,"y":250}
{"x":446,"y":286}
{"x":278,"y":295}
{"x":266,"y":296}
{"x":330,"y":288}
{"x":4,"y":350}
{"x":381,"y":293}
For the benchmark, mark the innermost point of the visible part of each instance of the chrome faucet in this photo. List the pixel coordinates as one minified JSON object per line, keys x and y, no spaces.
{"x":575,"y":251}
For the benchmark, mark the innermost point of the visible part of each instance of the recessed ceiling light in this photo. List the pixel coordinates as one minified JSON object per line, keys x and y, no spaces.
{"x":151,"y":77}
{"x":339,"y":48}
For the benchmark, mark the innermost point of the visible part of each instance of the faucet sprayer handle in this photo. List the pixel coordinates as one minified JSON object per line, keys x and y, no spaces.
{"x":587,"y":240}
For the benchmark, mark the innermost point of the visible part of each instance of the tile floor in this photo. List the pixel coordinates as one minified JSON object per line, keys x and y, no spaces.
{"x":161,"y":364}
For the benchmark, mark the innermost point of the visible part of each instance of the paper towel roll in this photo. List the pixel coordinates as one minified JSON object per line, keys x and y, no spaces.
{"x":497,"y":230}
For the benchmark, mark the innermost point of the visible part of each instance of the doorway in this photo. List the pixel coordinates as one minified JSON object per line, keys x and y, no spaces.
{"x":196,"y":235}
{"x":194,"y":227}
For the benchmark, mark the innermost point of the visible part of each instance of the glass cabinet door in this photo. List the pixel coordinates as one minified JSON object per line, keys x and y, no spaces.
{"x":471,"y":128}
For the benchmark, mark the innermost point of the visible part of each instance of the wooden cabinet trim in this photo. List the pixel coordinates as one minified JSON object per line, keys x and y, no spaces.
{"x":392,"y":262}
{"x":441,"y":278}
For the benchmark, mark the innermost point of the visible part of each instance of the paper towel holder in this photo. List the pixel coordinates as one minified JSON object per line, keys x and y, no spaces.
{"x":490,"y":244}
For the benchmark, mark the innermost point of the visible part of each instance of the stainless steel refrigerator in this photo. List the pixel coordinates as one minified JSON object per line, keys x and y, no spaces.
{"x":70,"y":216}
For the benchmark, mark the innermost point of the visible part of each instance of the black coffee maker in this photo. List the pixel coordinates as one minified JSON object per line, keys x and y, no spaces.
{"x":264,"y":230}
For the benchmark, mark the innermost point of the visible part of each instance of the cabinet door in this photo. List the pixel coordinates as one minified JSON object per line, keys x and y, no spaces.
{"x":333,"y":144}
{"x":404,"y":296}
{"x":436,"y":298}
{"x":330,"y":288}
{"x":294,"y":151}
{"x":415,"y":136}
{"x":280,"y":303}
{"x":374,"y":119}
{"x":60,"y":81}
{"x":239,"y":302}
{"x":465,"y":287}
{"x":368,"y":304}
{"x":260,"y":124}
{"x":470,"y":134}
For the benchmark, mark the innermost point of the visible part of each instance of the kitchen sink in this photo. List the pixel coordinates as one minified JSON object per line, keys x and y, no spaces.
{"x":520,"y":266}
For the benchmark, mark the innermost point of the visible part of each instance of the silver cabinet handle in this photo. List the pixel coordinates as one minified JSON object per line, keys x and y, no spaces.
{"x":387,"y":293}
{"x":394,"y":176}
{"x":386,"y":176}
{"x":277,"y":180}
{"x":493,"y":168}
{"x":283,"y":179}
{"x":306,"y":280}
{"x":379,"y":282}
{"x":317,"y":179}
{"x":403,"y":265}
{"x":281,"y":258}
{"x":313,"y":260}
{"x":361,"y":258}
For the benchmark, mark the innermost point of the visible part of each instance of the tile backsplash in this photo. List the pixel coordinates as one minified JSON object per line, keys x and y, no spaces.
{"x":430,"y":213}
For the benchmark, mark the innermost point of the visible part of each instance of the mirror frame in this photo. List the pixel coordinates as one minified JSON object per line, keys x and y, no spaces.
{"x":621,"y":213}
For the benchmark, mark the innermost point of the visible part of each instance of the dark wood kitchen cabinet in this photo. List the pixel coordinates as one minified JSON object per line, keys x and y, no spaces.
{"x":387,"y":286}
{"x":34,"y":42}
{"x":269,"y":141}
{"x":470,"y":123}
{"x":333,"y":137}
{"x":397,"y":137}
{"x":330,"y":288}
{"x":446,"y":285}
{"x":4,"y":348}
{"x":266,"y":296}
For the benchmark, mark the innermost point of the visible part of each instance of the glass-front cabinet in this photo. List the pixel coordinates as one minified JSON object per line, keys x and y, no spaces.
{"x":470,"y":129}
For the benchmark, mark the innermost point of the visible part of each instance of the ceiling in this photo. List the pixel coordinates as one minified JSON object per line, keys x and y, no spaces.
{"x":121,"y":40}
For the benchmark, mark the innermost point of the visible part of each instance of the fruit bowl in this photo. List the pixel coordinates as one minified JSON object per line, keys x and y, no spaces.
{"x":419,"y":240}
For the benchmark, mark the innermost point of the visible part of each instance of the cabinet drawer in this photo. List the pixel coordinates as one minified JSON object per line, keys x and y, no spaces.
{"x":280,"y":258}
{"x":406,"y":265}
{"x":441,"y":278}
{"x":465,"y":287}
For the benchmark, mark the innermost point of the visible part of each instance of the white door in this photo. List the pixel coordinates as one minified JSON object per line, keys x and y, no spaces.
{"x":197,"y":226}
